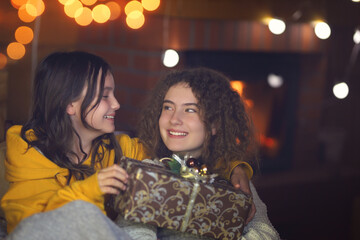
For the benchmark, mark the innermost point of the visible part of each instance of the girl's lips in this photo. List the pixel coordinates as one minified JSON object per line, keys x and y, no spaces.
{"x":175,"y":133}
{"x":110,"y":117}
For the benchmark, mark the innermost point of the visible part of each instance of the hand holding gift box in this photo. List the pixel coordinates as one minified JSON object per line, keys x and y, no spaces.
{"x":157,"y":196}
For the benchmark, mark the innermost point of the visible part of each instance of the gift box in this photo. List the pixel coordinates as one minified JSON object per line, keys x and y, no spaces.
{"x":159,"y":197}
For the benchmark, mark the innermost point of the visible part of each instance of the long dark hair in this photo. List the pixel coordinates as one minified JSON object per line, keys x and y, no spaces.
{"x":59,"y":80}
{"x":220,"y":107}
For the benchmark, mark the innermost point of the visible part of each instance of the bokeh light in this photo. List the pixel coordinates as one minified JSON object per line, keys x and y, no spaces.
{"x":150,"y":5}
{"x":275,"y":81}
{"x":88,"y":2}
{"x":135,"y":20}
{"x":18,"y":3}
{"x":115,"y":10}
{"x":277,"y":26}
{"x":341,"y":90}
{"x":85,"y":17}
{"x":170,"y":58}
{"x":63,"y":2}
{"x":3,"y":61}
{"x":71,"y":8}
{"x":101,"y":13}
{"x":238,"y":86}
{"x":356,"y":36}
{"x":24,"y":34}
{"x":15,"y":50}
{"x":322,"y":30}
{"x":24,"y":15}
{"x":133,"y":6}
{"x":35,"y":7}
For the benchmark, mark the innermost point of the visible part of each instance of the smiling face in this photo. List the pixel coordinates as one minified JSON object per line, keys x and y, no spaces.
{"x":180,"y":124}
{"x":101,"y":117}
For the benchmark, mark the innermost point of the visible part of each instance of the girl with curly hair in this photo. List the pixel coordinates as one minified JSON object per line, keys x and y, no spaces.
{"x":196,"y":113}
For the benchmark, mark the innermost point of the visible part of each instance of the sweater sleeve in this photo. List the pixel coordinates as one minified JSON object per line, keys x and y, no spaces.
{"x":87,"y":190}
{"x":131,"y":147}
{"x":26,"y":198}
{"x":226,"y":173}
{"x":260,"y":227}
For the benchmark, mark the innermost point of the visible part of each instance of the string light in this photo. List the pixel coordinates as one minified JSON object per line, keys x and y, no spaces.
{"x":150,"y":5}
{"x":85,"y":17}
{"x":15,"y":50}
{"x":101,"y":13}
{"x":341,"y":90}
{"x":322,"y":30}
{"x":3,"y":61}
{"x":170,"y":58}
{"x":24,"y":34}
{"x":277,"y":26}
{"x":29,"y":10}
{"x":135,"y":19}
{"x":356,"y":36}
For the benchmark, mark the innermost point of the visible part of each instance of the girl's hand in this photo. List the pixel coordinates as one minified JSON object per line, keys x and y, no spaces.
{"x":112,"y":179}
{"x":239,"y":180}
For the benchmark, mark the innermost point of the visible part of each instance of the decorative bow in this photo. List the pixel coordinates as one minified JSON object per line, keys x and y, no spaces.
{"x":189,"y":167}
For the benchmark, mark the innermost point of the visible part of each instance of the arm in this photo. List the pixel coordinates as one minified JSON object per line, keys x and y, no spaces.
{"x":26,"y":198}
{"x":260,"y":227}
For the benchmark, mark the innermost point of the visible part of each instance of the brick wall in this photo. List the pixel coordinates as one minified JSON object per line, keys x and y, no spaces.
{"x":135,"y":55}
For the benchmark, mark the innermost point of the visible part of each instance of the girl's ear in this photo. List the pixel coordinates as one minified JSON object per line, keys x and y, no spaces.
{"x":213,"y":130}
{"x":70,"y":109}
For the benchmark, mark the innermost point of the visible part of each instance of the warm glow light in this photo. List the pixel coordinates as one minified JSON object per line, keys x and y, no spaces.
{"x":268,"y":142}
{"x":277,"y":26}
{"x":114,"y":9}
{"x":170,"y":58}
{"x":150,"y":5}
{"x":238,"y":86}
{"x":85,"y":17}
{"x":3,"y":60}
{"x":135,"y":20}
{"x":341,"y":90}
{"x":101,"y":13}
{"x":356,"y":36}
{"x":18,"y":3}
{"x":274,"y":80}
{"x":15,"y":50}
{"x":356,"y":0}
{"x":133,"y":6}
{"x":24,"y":34}
{"x":71,"y":8}
{"x":24,"y":16}
{"x":35,"y":7}
{"x":322,"y":30}
{"x":89,"y":2}
{"x":63,"y":2}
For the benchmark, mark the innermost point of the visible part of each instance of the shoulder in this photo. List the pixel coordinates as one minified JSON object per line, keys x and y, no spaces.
{"x":125,"y":140}
{"x":131,"y":147}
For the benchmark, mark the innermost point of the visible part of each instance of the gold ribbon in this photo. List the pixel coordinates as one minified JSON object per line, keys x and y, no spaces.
{"x":185,"y":222}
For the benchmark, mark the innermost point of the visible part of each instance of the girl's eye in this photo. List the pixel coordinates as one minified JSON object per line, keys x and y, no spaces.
{"x":105,"y":96}
{"x":190,"y":110}
{"x":167,"y":107}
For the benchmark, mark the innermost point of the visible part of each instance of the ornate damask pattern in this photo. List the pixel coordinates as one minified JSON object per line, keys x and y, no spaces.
{"x":159,"y":197}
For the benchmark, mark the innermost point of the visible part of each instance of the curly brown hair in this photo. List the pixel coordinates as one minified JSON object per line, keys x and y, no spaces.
{"x":220,"y":106}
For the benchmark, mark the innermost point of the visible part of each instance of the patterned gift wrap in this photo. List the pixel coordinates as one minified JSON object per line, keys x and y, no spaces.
{"x":159,"y":197}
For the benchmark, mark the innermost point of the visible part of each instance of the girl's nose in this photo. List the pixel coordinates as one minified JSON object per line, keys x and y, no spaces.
{"x":176,"y":118}
{"x":115,"y":104}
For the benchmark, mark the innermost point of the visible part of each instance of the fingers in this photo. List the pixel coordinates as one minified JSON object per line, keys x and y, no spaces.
{"x":251,"y":214}
{"x":112,"y":179}
{"x":240,"y":180}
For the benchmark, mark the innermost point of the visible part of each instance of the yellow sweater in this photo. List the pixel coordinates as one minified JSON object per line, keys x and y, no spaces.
{"x":38,"y":185}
